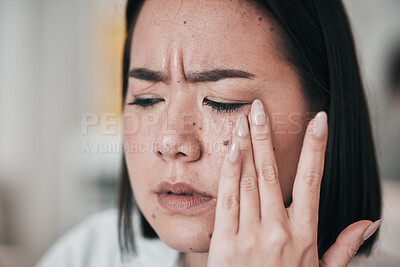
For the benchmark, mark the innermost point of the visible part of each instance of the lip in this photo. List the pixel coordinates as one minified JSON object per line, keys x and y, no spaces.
{"x":182,"y":198}
{"x":179,"y":188}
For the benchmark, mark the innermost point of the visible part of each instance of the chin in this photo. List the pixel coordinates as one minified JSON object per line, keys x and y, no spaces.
{"x":188,"y":245}
{"x":186,"y":234}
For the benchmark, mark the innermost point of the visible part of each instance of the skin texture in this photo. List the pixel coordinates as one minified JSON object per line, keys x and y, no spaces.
{"x":163,"y":42}
{"x":186,"y":140}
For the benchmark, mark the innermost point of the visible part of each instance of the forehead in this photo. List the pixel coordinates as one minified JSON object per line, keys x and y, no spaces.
{"x":203,"y":33}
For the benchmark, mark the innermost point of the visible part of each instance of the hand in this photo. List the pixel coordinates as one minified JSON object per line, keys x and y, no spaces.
{"x":252,"y":226}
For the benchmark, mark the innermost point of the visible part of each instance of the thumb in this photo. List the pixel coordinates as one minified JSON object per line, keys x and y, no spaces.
{"x":348,"y":242}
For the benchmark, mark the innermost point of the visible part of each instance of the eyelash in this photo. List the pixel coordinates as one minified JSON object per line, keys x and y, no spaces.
{"x":223,"y":107}
{"x":217,"y":106}
{"x":146,"y":102}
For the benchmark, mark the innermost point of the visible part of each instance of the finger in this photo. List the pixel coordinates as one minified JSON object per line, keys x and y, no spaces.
{"x":227,"y":209}
{"x":348,"y":243}
{"x":306,"y":188}
{"x":249,"y":203}
{"x":271,"y":200}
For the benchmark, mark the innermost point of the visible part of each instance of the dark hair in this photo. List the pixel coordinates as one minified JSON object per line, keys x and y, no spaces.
{"x":318,"y":42}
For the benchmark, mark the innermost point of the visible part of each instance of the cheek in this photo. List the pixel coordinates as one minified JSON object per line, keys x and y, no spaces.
{"x":136,"y":170}
{"x":137,"y":149}
{"x":216,"y":137}
{"x":140,"y":151}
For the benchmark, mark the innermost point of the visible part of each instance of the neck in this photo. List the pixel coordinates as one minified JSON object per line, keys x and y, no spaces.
{"x":192,"y":259}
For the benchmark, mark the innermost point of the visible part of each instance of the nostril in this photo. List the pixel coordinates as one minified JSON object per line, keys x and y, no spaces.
{"x":160,"y":155}
{"x":180,"y":153}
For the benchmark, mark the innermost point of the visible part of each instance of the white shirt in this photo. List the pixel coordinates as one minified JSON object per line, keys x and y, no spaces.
{"x":94,"y":243}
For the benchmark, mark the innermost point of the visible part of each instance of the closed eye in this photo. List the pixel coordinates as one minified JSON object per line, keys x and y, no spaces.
{"x":146,"y":102}
{"x":223,"y":107}
{"x":217,"y":106}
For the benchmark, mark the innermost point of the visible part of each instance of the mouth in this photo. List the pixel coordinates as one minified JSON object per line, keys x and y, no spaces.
{"x":184,"y":194}
{"x":180,"y":188}
{"x":182,"y":198}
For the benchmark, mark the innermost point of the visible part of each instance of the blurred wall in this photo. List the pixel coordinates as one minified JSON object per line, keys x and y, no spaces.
{"x":60,"y":64}
{"x":376,"y":27}
{"x":58,"y":60}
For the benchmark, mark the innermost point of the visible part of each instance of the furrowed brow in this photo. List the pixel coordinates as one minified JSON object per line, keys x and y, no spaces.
{"x":217,"y":74}
{"x":193,"y":77}
{"x":148,"y":75}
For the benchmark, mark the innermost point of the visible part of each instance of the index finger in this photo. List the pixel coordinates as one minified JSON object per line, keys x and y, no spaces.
{"x":271,"y":201}
{"x":306,"y":190}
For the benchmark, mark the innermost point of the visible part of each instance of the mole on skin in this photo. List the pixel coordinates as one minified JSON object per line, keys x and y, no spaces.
{"x":226,"y":142}
{"x":156,"y":41}
{"x":154,"y":216}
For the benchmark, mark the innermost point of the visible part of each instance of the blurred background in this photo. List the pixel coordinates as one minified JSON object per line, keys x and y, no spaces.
{"x":60,"y":69}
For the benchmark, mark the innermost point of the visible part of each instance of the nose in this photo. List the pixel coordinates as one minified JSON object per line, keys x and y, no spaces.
{"x":179,"y":148}
{"x":178,"y":138}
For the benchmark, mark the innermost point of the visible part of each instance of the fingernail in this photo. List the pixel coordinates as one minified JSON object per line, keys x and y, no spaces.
{"x":257,"y":112}
{"x":320,"y":124}
{"x":241,"y":127}
{"x":233,"y":153}
{"x":371,"y":229}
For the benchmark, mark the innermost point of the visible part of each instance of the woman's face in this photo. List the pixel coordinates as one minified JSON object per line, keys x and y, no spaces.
{"x":182,"y":139}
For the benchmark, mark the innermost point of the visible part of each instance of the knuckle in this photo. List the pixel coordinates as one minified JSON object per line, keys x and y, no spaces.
{"x":231,"y":174}
{"x":230,"y":201}
{"x":248,"y":183}
{"x":279,"y":236}
{"x":248,"y":247}
{"x":313,"y":178}
{"x":261,"y":136}
{"x":268,"y":173}
{"x":245,"y":147}
{"x":351,"y":252}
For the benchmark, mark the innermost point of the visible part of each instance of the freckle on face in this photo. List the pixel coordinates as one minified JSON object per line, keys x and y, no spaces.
{"x":152,"y":42}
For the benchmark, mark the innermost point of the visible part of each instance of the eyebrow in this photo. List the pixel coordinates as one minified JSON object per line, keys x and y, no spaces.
{"x":193,"y":77}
